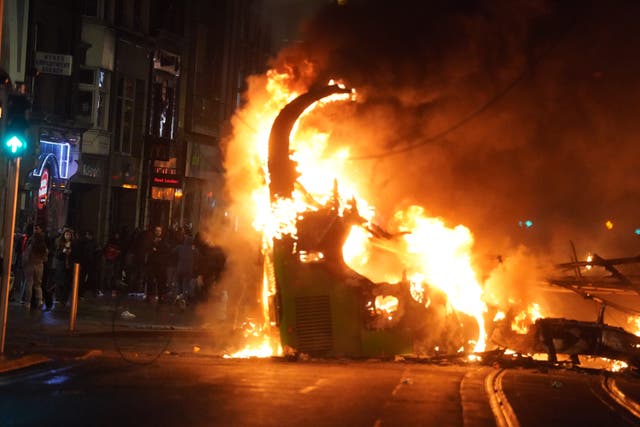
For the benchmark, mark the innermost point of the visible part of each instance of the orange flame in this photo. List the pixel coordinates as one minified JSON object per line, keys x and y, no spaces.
{"x":526,"y":318}
{"x":428,"y":252}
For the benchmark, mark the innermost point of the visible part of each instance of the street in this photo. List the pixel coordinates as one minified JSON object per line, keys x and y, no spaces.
{"x":168,"y":367}
{"x":205,"y":391}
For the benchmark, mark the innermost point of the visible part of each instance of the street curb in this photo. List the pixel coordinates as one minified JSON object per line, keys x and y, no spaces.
{"x":7,"y":365}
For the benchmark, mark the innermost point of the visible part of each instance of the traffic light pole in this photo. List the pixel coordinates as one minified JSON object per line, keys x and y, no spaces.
{"x":9,"y":230}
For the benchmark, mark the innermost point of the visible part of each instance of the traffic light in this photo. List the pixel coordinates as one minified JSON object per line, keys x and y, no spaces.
{"x":525,"y":224}
{"x":15,"y":123}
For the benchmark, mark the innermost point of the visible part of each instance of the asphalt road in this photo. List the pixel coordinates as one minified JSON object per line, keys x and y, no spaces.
{"x":206,"y":391}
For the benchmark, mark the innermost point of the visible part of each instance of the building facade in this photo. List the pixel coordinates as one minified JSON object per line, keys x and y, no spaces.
{"x":130,"y":102}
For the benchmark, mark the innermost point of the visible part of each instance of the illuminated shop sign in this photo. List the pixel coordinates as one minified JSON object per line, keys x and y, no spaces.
{"x":43,"y":190}
{"x":166,"y":177}
{"x":59,"y":152}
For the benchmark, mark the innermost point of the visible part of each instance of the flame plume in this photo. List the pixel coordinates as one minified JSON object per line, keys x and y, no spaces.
{"x":424,"y":249}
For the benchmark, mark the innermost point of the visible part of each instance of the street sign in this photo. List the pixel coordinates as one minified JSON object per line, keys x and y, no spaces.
{"x":53,"y":63}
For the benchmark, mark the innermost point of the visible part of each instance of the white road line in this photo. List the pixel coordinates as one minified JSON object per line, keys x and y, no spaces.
{"x":404,"y":379}
{"x":315,"y":385}
{"x":502,"y":410}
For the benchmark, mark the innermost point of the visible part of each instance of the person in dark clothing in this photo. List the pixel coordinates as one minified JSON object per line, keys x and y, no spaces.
{"x":19,"y":245}
{"x":48,"y":273}
{"x":112,"y":264}
{"x":89,"y":261}
{"x":63,"y":265}
{"x":209,"y":266}
{"x":157,"y":255}
{"x":135,"y":260}
{"x":186,"y":255}
{"x":35,"y":255}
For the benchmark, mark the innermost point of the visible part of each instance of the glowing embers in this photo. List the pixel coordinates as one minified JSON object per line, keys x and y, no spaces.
{"x":426,"y":251}
{"x":386,"y":305}
{"x":593,"y":362}
{"x":582,"y":361}
{"x":384,"y":312}
{"x":634,"y":325}
{"x":523,"y":320}
{"x":419,"y":290}
{"x":310,"y":257}
{"x":259,"y":343}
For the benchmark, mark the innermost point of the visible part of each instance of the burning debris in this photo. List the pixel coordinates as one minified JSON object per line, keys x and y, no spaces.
{"x":337,"y":284}
{"x":352,"y":264}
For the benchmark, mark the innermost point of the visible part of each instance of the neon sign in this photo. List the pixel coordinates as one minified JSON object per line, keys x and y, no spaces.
{"x":60,"y":151}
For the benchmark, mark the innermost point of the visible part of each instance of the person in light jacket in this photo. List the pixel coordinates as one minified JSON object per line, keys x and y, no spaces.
{"x":33,"y":259}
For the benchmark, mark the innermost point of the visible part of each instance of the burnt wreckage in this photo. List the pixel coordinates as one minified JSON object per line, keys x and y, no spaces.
{"x":323,"y":307}
{"x":574,"y":337}
{"x":326,"y":309}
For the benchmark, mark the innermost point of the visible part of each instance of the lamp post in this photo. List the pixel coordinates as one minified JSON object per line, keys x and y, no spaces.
{"x":9,"y":229}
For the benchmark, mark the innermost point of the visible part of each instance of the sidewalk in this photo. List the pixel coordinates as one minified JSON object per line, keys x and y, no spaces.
{"x":122,"y":325}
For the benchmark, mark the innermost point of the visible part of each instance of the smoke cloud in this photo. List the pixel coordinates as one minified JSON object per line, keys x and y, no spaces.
{"x":488,"y":114}
{"x":555,"y":145}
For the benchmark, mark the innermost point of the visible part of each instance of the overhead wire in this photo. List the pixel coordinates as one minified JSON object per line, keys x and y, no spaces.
{"x":479,"y":111}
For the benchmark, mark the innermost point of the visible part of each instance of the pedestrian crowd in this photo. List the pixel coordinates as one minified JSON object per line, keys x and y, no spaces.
{"x":171,"y":266}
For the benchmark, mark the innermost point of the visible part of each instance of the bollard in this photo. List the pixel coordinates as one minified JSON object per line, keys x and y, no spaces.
{"x":74,"y":297}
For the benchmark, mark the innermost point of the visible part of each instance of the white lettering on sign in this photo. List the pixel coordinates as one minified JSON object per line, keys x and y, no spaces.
{"x":53,"y":63}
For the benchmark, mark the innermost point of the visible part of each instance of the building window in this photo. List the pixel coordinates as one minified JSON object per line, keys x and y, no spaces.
{"x":94,"y":8}
{"x":93,"y":96}
{"x":130,"y":115}
{"x":163,"y":118}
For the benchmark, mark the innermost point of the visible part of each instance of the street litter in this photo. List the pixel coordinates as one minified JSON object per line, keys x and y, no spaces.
{"x":127,"y":315}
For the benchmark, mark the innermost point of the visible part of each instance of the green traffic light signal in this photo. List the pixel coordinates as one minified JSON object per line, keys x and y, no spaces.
{"x":15,"y":124}
{"x":15,"y":145}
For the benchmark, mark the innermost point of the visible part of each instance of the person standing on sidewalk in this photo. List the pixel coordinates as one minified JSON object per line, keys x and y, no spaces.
{"x":89,"y":259}
{"x":186,"y":254}
{"x":157,"y":259}
{"x":48,"y":274}
{"x":112,"y":267}
{"x":63,"y":264}
{"x":33,"y":259}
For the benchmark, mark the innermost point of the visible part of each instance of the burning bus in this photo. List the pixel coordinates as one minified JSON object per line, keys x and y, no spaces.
{"x":322,"y":306}
{"x":337,"y":284}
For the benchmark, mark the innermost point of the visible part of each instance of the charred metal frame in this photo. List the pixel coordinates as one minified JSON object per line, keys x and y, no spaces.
{"x":323,"y":307}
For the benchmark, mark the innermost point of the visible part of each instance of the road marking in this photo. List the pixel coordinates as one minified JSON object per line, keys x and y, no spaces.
{"x":502,"y":410}
{"x":404,"y":379}
{"x":609,"y":385}
{"x":310,"y":388}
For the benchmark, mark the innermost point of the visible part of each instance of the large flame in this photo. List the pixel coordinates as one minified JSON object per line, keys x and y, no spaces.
{"x":426,"y":251}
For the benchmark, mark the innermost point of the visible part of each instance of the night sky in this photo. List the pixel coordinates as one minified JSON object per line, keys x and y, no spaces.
{"x":489,"y":113}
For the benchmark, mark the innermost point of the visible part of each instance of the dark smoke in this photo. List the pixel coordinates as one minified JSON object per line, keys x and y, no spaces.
{"x":558,"y":147}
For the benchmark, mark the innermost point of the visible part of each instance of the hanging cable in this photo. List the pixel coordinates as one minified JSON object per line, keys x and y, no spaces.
{"x":477,"y":112}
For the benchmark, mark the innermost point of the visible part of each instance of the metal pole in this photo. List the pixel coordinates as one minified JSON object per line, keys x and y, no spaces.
{"x":9,"y":230}
{"x":74,"y":297}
